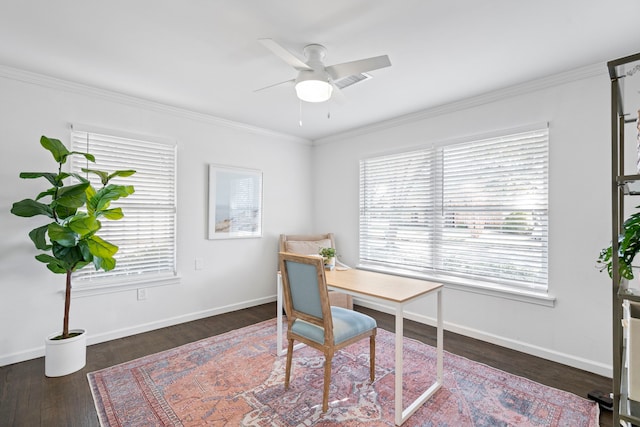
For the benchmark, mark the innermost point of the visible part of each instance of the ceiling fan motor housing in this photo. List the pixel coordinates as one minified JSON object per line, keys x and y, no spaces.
{"x":314,"y":85}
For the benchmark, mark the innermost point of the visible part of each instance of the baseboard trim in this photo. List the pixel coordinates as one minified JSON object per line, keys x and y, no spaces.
{"x":545,"y":353}
{"x":563,"y":358}
{"x":34,"y":353}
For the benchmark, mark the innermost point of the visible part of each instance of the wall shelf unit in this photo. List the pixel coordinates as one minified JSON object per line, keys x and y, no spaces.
{"x":625,"y":103}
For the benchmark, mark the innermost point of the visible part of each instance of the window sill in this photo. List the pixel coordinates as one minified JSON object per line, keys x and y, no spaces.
{"x":483,"y":288}
{"x":122,"y":285}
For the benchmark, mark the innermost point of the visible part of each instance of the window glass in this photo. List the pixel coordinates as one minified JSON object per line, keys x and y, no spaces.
{"x":476,"y":210}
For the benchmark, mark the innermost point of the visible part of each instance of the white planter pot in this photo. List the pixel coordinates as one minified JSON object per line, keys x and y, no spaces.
{"x":63,"y":357}
{"x":330,"y":263}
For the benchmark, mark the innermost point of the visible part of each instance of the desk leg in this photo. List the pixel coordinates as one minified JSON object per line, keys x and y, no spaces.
{"x":440,"y":341}
{"x":402,"y":415}
{"x":399,"y":362}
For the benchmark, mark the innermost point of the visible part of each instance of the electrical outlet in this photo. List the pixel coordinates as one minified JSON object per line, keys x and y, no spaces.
{"x":198,"y":264}
{"x":142,"y":294}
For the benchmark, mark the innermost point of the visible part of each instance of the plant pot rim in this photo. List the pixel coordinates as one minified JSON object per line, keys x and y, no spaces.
{"x":81,"y":333}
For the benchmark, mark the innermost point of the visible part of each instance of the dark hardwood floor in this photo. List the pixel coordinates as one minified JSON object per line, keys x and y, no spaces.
{"x":28,"y":398}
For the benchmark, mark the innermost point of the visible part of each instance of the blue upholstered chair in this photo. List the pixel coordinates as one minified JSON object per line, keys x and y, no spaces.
{"x":313,"y":321}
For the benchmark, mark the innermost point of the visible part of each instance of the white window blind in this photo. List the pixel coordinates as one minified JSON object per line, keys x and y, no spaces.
{"x":476,"y":211}
{"x":146,"y":236}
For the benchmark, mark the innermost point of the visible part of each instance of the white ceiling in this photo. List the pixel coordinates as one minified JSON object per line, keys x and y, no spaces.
{"x":202,"y":55}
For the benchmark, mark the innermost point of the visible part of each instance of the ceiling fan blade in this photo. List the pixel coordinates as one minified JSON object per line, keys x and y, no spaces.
{"x":284,"y":54}
{"x":339,"y":71}
{"x":275,"y":84}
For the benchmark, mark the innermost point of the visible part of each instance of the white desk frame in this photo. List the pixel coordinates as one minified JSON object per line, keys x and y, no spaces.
{"x":401,"y":414}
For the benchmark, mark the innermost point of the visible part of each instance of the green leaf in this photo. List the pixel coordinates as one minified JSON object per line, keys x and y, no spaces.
{"x":53,"y":178}
{"x":69,"y":255}
{"x":122,"y":173}
{"x":39,"y":237}
{"x":79,"y":177}
{"x":102,"y":252}
{"x":113,"y":214}
{"x":104,"y":176}
{"x":87,"y":156}
{"x":60,"y":152}
{"x":73,"y":196}
{"x":56,"y":148}
{"x":53,"y":264}
{"x":84,"y":249}
{"x":63,"y":236}
{"x":107,"y":263}
{"x":64,"y":212}
{"x":110,"y":193}
{"x":84,"y":224}
{"x":50,"y":192}
{"x":90,"y":194}
{"x":80,"y":265}
{"x":29,"y":208}
{"x":101,"y":248}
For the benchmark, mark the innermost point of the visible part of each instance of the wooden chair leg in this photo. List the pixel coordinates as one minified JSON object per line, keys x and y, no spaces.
{"x":327,"y":382}
{"x":288,"y":368}
{"x":372,"y":357}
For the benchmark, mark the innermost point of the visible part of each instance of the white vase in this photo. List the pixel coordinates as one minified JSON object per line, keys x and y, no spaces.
{"x":63,"y":357}
{"x":330,"y":263}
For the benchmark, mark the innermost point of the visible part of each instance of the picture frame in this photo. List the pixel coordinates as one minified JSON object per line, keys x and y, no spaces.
{"x":235,"y":202}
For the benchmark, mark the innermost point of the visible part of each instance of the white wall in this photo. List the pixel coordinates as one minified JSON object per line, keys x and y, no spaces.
{"x":236,"y":273}
{"x":577,"y":331}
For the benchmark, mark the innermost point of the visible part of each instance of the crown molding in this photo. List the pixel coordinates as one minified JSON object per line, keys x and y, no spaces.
{"x":108,"y":95}
{"x":581,"y":73}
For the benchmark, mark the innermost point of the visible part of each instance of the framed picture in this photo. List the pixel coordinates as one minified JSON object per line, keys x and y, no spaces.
{"x":235,"y":202}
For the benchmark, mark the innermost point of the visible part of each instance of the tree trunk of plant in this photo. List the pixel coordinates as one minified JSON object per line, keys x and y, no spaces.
{"x":67,"y":304}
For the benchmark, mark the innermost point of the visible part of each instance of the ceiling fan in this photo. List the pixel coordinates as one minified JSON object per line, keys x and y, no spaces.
{"x":315,"y":81}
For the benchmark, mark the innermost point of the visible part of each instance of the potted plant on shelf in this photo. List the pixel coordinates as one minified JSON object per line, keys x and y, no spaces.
{"x":70,"y":239}
{"x":329,"y":255}
{"x":628,"y":248}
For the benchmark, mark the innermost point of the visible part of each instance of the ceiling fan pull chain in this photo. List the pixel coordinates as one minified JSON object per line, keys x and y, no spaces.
{"x":329,"y":103}
{"x":300,"y":112}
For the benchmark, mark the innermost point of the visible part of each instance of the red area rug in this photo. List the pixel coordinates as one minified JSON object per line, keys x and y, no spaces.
{"x":236,"y":379}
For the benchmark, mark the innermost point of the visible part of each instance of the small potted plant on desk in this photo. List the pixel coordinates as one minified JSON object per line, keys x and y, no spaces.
{"x":329,"y":255}
{"x":70,"y":240}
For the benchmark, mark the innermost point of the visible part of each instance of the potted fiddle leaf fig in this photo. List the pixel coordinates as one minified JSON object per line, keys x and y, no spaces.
{"x":69,"y":239}
{"x":628,"y":248}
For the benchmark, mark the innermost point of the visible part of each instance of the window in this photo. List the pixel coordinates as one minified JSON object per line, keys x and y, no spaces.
{"x":472,"y":213}
{"x":146,"y":236}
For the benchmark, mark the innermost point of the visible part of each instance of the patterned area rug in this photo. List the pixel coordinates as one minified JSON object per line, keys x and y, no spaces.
{"x":236,"y":379}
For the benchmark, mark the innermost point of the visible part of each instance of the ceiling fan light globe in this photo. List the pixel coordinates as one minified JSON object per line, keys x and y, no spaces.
{"x":314,"y":90}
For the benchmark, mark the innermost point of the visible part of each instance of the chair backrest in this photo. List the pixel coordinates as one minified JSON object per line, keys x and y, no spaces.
{"x":305,"y":290}
{"x":306,"y":244}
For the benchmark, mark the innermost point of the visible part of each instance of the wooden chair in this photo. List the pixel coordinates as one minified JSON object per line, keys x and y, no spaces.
{"x":310,"y":244}
{"x":313,"y":321}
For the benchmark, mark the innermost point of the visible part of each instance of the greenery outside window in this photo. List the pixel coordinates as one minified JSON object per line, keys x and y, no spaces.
{"x":472,"y":213}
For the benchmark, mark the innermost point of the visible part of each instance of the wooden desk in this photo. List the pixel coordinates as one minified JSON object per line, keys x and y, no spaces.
{"x":388,"y":290}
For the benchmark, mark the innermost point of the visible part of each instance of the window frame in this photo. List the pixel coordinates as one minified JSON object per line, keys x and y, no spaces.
{"x":469,"y":284}
{"x":116,"y":283}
